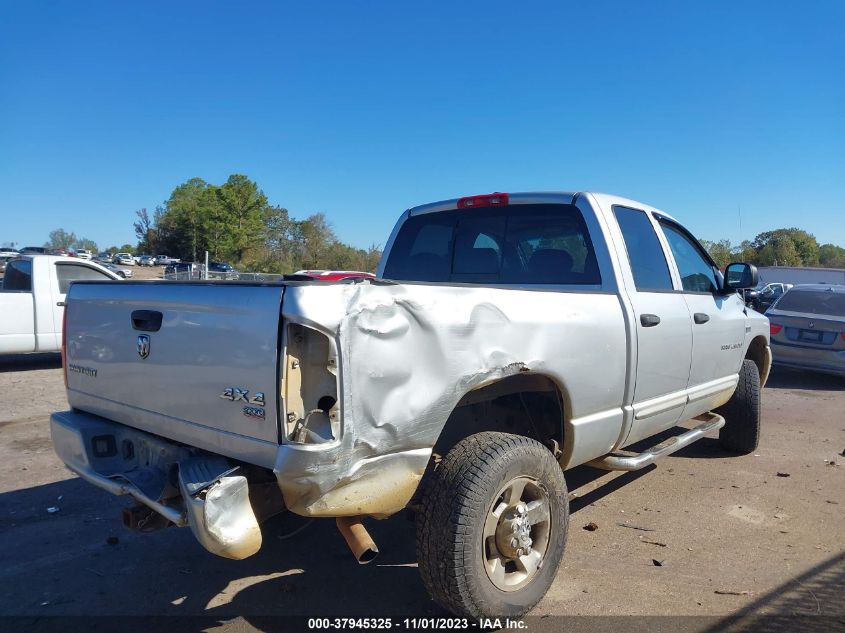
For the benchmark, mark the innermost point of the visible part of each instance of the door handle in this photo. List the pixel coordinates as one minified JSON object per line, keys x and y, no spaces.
{"x":146,"y":320}
{"x":700,"y":317}
{"x":61,"y":304}
{"x":649,"y":320}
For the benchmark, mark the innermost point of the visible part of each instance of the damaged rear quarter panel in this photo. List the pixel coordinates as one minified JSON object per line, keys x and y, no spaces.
{"x":410,"y":352}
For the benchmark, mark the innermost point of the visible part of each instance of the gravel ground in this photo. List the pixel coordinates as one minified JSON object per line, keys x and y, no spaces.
{"x":701,"y":533}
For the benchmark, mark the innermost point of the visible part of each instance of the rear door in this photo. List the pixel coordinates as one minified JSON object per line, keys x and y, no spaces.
{"x":162,"y":354}
{"x":17,"y":309}
{"x":664,"y":331}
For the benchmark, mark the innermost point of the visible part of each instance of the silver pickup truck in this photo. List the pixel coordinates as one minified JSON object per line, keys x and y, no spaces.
{"x":506,"y":339}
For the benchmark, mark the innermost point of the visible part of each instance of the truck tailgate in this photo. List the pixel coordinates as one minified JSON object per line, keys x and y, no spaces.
{"x":212,"y":362}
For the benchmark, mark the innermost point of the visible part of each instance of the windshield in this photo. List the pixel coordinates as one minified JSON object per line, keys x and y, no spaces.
{"x":516,"y":244}
{"x":823,"y":302}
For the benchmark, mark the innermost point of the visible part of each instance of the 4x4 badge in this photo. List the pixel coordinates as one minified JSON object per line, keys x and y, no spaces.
{"x":143,"y":346}
{"x":236,"y":394}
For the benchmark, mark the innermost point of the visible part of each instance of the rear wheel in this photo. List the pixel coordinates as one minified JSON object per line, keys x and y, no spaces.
{"x":492,"y":526}
{"x":741,"y":432}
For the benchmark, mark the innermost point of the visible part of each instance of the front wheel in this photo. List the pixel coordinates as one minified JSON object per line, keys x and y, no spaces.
{"x":492,"y":526}
{"x":741,"y":432}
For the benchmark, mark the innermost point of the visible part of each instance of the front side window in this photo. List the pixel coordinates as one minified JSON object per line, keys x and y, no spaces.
{"x":697,"y":274}
{"x":648,"y":263}
{"x":74,"y":272}
{"x":523,"y":244}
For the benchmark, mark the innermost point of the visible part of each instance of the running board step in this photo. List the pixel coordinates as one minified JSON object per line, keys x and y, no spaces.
{"x":615,"y":461}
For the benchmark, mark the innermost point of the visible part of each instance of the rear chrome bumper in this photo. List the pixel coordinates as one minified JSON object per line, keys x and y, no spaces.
{"x":186,"y":486}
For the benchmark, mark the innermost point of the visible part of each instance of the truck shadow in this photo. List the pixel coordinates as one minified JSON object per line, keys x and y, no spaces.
{"x":811,"y":601}
{"x":79,"y":561}
{"x":784,"y":378}
{"x":27,"y":362}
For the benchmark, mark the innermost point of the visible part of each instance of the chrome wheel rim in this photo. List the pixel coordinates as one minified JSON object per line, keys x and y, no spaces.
{"x":516,"y":533}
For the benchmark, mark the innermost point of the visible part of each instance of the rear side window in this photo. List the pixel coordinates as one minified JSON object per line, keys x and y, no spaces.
{"x":648,"y":263}
{"x":821,"y":302}
{"x":18,"y":276}
{"x":74,"y":272}
{"x":526,"y":244}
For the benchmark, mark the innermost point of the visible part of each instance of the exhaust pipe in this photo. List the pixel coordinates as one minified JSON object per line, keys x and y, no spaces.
{"x":358,"y":539}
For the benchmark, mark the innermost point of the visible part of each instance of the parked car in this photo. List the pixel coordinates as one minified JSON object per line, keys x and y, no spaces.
{"x":32,"y":300}
{"x":184,"y":270}
{"x":9,"y":252}
{"x":506,"y":339}
{"x":83,"y":253}
{"x":3,"y":260}
{"x":164,"y":260}
{"x":221,"y":270}
{"x":808,"y":328}
{"x":120,"y":271}
{"x":761,"y":299}
{"x":35,"y":250}
{"x":146,"y":260}
{"x":334,"y":275}
{"x":124,"y":259}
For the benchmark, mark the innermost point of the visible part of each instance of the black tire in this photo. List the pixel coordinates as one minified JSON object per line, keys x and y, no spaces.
{"x":458,"y":501}
{"x":741,"y":432}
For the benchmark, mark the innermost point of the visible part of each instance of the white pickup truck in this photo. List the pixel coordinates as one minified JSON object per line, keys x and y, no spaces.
{"x":32,"y":300}
{"x":505,"y":339}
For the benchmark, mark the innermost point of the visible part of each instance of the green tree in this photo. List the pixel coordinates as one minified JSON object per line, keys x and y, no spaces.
{"x":59,"y":238}
{"x":316,"y":240}
{"x":722,"y":252}
{"x":831,"y":256}
{"x":84,"y":242}
{"x":779,"y":251}
{"x":145,"y":231}
{"x":746,"y":252}
{"x":789,"y":247}
{"x":239,"y":213}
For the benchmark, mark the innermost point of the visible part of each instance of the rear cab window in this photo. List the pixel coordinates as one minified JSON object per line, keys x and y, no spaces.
{"x":520,"y":244}
{"x":67,"y":273}
{"x":820,"y":302}
{"x":18,"y":276}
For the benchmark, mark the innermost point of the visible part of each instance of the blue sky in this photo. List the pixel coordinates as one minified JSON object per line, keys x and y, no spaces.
{"x":360,"y":110}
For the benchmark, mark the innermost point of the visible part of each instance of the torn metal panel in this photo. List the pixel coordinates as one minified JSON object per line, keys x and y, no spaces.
{"x":409,"y":353}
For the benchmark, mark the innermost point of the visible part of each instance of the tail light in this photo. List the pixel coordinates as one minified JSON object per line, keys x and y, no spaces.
{"x":842,"y":334}
{"x":774,"y":328}
{"x":64,"y":344}
{"x":487,"y":200}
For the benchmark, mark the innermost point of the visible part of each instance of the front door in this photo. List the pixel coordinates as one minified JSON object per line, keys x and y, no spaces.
{"x":718,"y":323}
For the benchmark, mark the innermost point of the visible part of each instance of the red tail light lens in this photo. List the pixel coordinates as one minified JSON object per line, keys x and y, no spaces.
{"x":774,"y":328}
{"x":842,"y":334}
{"x":487,"y":200}
{"x":64,"y":344}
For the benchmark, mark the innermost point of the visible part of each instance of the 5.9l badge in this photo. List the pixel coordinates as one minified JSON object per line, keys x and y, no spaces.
{"x":253,"y":404}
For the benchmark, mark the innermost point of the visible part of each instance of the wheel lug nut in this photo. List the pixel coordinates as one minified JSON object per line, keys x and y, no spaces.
{"x":514,"y":543}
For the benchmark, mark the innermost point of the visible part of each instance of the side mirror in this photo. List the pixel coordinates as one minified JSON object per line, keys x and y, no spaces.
{"x":739,"y":276}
